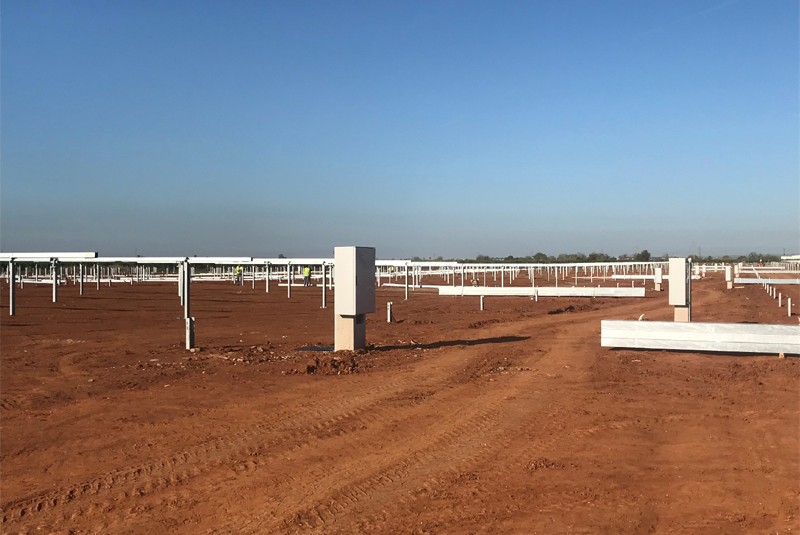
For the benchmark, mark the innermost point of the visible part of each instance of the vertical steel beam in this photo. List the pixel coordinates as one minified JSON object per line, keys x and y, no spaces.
{"x":12,"y":305}
{"x":407,"y":268}
{"x":187,"y":313}
{"x":54,"y":269}
{"x":324,"y":296}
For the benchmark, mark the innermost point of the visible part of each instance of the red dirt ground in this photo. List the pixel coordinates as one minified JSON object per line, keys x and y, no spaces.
{"x":511,"y":420}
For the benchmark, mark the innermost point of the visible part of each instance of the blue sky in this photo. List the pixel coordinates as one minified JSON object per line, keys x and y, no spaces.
{"x":450,"y":128}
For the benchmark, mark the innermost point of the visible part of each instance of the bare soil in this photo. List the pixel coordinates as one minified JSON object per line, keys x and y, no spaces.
{"x":510,"y":420}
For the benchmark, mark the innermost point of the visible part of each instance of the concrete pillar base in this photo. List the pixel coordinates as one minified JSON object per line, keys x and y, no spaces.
{"x":683,"y":314}
{"x":658,"y":286}
{"x":730,"y":285}
{"x":350,"y":332}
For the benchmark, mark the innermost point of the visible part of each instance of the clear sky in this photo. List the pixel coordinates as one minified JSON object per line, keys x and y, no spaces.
{"x":428,"y":128}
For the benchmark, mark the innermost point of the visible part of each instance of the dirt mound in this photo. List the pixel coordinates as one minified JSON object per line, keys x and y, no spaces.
{"x":332,"y":365}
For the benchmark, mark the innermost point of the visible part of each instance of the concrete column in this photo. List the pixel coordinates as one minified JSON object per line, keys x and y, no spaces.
{"x":12,"y":290}
{"x":355,"y":295}
{"x":680,"y":288}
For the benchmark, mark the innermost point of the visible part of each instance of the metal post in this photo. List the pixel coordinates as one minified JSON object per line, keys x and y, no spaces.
{"x":180,"y":282}
{"x":406,"y":282}
{"x":80,"y":269}
{"x":324,"y":296}
{"x":53,"y":266}
{"x":289,"y":279}
{"x":187,"y":279}
{"x":12,"y":305}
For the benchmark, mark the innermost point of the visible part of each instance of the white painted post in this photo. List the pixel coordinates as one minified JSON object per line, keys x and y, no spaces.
{"x":324,"y":296}
{"x":389,"y":312}
{"x":406,"y":282}
{"x":97,"y":274}
{"x":289,"y":278}
{"x":462,"y":275}
{"x":187,"y":278}
{"x":53,"y":268}
{"x":780,"y":295}
{"x":12,"y":305}
{"x":482,"y":302}
{"x":267,"y":283}
{"x":789,"y":307}
{"x":80,"y":269}
{"x":180,"y":283}
{"x":254,"y":277}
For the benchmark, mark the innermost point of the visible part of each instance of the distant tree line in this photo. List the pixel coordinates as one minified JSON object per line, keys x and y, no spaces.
{"x":643,"y":256}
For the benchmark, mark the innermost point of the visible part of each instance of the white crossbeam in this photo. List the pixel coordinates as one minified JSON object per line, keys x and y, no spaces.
{"x":720,"y":337}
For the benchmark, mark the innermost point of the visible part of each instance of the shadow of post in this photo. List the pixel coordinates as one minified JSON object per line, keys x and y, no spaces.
{"x":450,"y":343}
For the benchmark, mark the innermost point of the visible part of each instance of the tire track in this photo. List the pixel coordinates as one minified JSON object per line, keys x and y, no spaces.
{"x":243,"y":448}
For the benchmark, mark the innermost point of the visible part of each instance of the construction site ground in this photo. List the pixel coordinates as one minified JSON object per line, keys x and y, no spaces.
{"x":453,"y":420}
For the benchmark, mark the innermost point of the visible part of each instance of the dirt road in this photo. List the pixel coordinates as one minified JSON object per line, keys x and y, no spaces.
{"x":511,"y":420}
